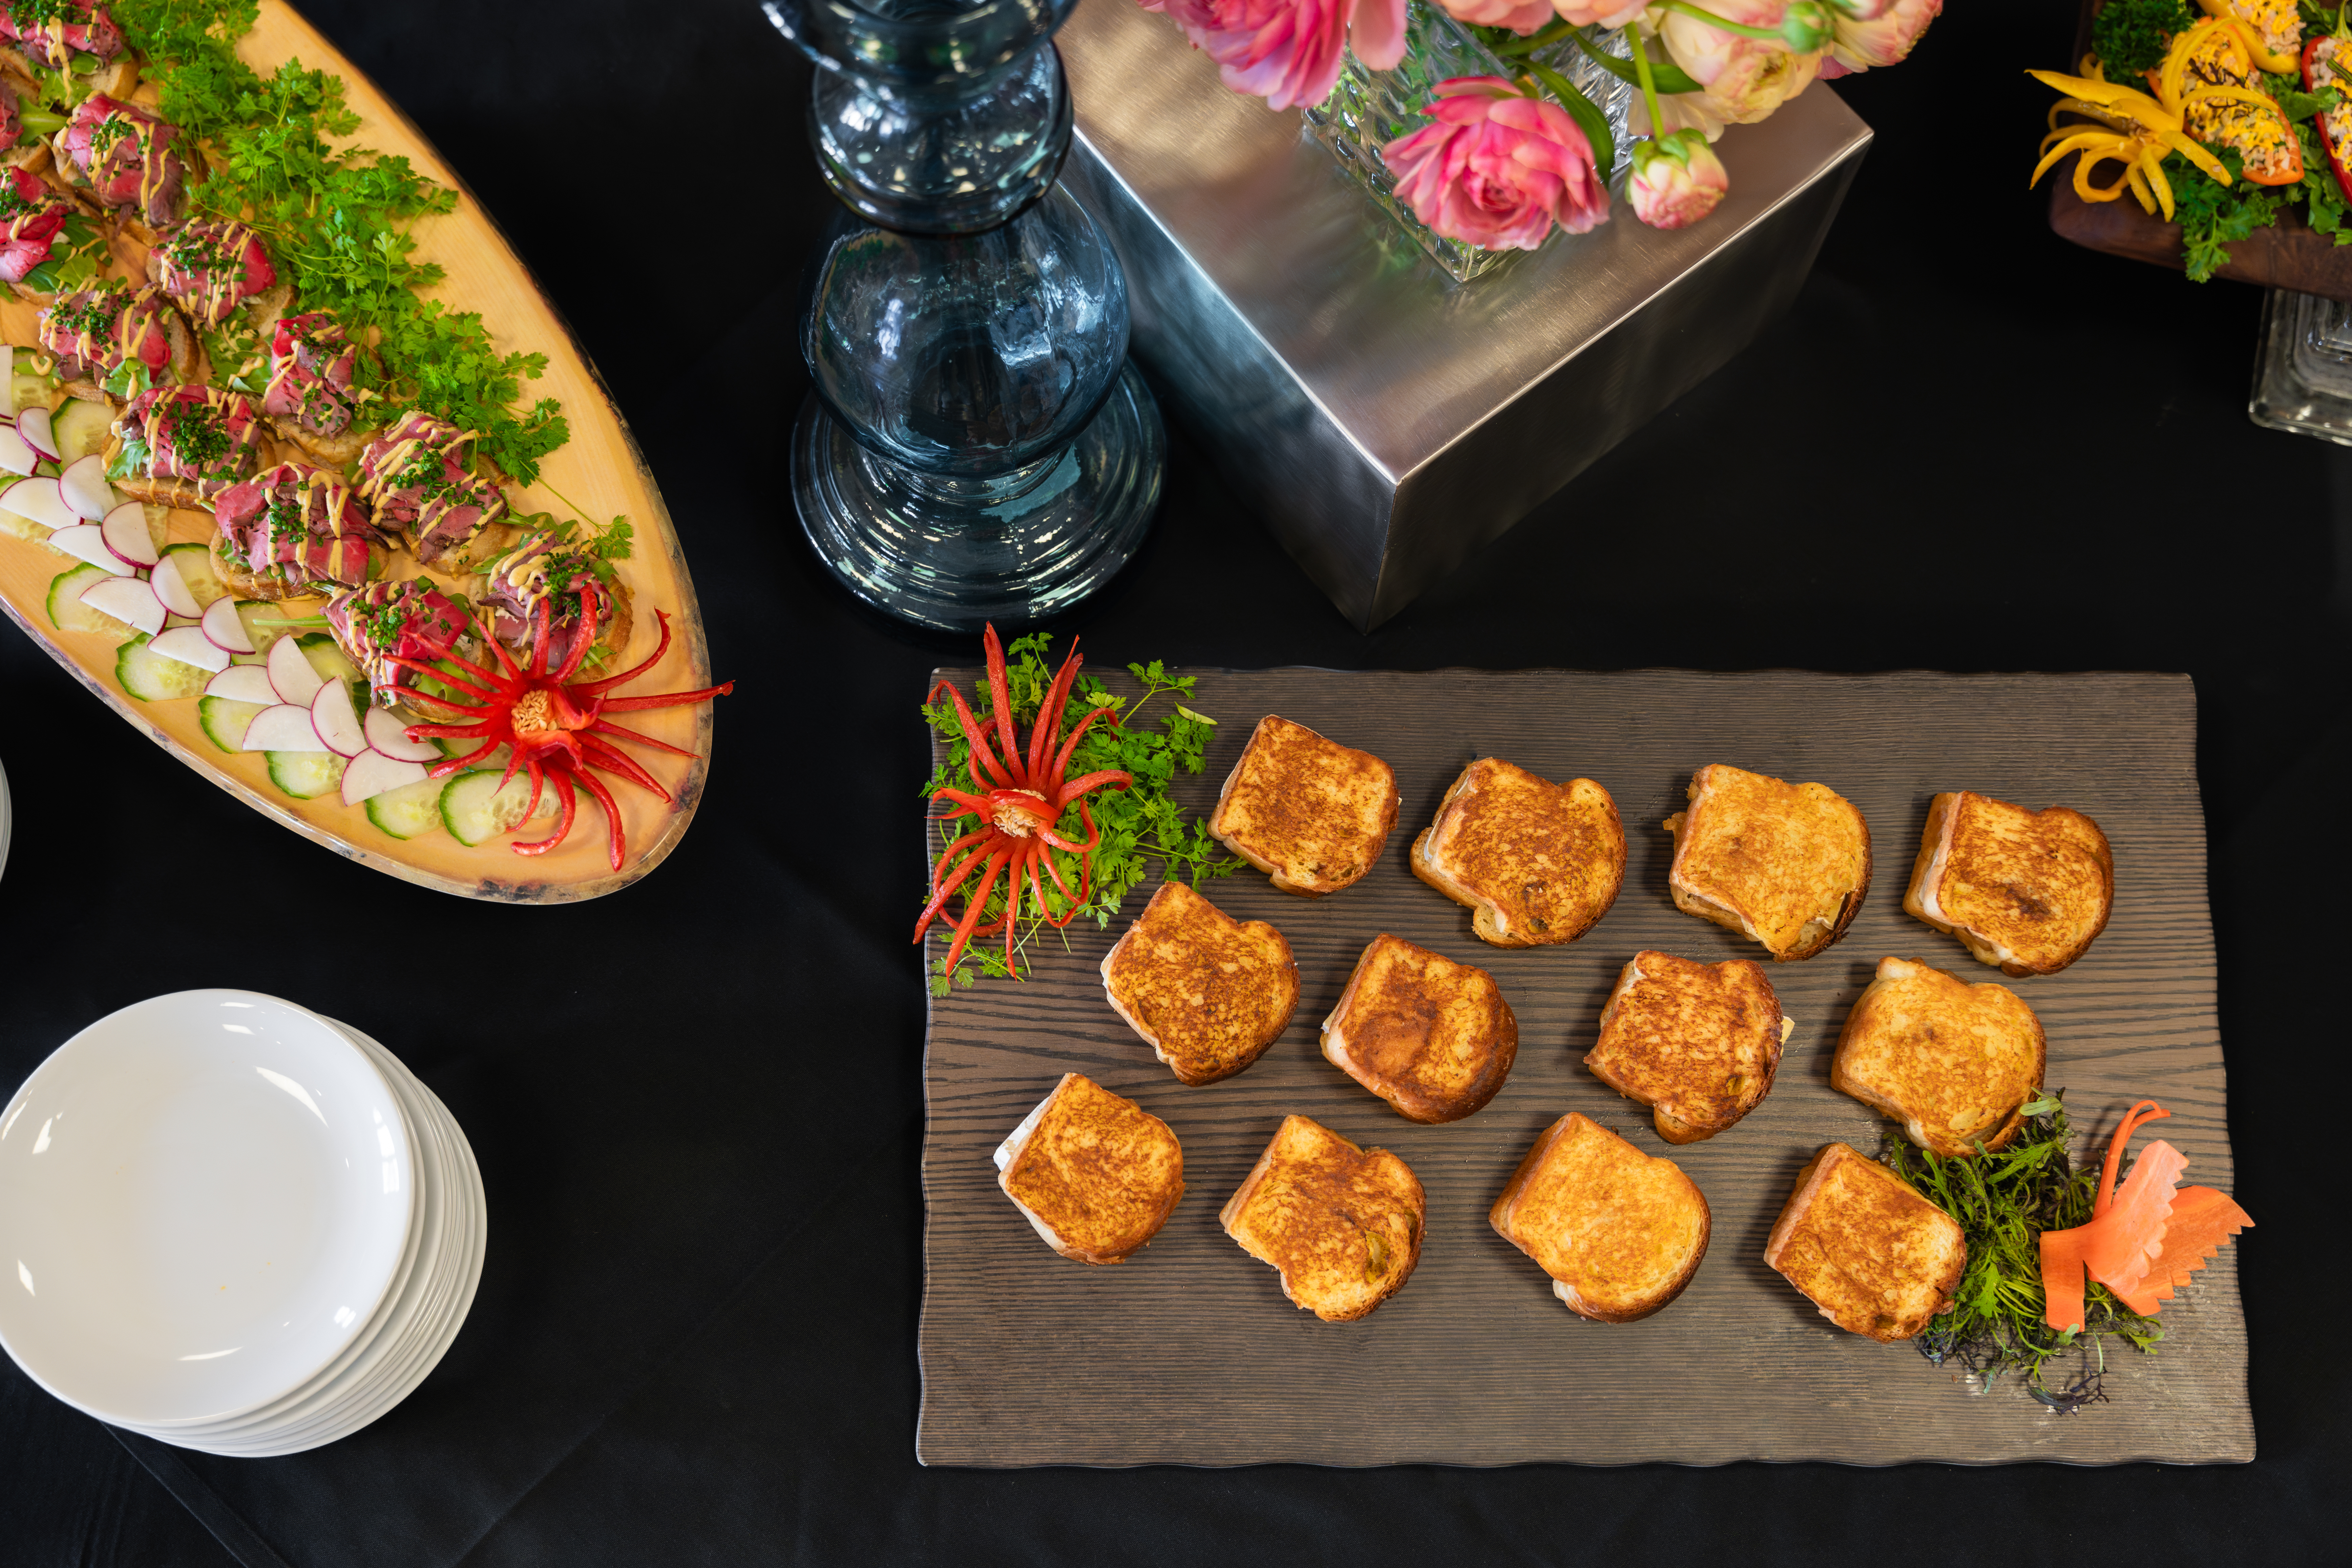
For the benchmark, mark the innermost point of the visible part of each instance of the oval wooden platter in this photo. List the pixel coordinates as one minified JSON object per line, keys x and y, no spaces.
{"x":600,"y":468}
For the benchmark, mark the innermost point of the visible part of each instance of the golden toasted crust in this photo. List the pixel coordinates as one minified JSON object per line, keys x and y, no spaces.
{"x":1696,"y":1043}
{"x":1951,"y":1061}
{"x":1207,"y":991}
{"x":1620,"y":1232}
{"x":1873,"y":1256}
{"x":1433,"y":1038}
{"x":1342,"y":1224}
{"x":1787,"y":865}
{"x":1539,"y":862}
{"x":2026,"y":892}
{"x":1310,"y":812}
{"x":1095,"y":1172}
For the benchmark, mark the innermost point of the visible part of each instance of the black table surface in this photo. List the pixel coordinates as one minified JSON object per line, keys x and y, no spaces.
{"x":698,"y":1103}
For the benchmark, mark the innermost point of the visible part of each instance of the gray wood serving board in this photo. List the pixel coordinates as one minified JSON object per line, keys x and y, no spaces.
{"x":1188,"y":1353}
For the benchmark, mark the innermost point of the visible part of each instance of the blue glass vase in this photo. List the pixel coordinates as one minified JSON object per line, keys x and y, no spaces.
{"x":975,"y":446}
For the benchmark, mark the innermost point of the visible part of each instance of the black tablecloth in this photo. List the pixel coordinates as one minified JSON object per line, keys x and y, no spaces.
{"x":698,"y":1103}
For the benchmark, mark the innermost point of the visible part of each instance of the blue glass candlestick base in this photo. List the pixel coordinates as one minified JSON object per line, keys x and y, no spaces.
{"x":955,"y":554}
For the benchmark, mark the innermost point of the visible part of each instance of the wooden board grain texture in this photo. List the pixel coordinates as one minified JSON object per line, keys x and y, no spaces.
{"x":1190,"y":1354}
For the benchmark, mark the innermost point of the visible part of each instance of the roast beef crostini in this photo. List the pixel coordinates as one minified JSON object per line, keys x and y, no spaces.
{"x":32,"y":212}
{"x":181,"y":446}
{"x":52,"y":32}
{"x":411,"y":619}
{"x":546,"y":570}
{"x":107,"y":339}
{"x":124,"y":157}
{"x":309,"y":399}
{"x":293,"y":530}
{"x":418,"y":481}
{"x":211,"y":270}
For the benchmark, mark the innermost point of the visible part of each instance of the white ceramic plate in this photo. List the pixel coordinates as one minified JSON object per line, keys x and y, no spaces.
{"x":204,"y":1198}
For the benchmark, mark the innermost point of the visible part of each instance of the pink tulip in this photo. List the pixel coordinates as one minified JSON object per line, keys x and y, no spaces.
{"x":1288,"y":51}
{"x":1745,"y":78}
{"x":1497,"y":169}
{"x":1885,"y":40}
{"x":1677,"y":180}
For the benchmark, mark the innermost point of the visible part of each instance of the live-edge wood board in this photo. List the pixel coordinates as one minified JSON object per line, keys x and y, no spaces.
{"x":600,"y":469}
{"x":1188,"y":1353}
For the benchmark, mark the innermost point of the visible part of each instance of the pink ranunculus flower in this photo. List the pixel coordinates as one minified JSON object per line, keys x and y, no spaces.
{"x":1524,"y":16}
{"x":1885,"y":40}
{"x":1745,"y":78}
{"x":1497,"y":169}
{"x":1679,"y":110}
{"x":1677,"y":180}
{"x":1288,"y":52}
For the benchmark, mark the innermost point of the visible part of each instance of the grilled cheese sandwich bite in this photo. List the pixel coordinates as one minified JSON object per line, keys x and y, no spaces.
{"x":1433,"y":1038}
{"x":1620,"y":1232}
{"x":1343,"y":1225}
{"x":1696,"y":1043}
{"x":1311,"y":812}
{"x":1785,"y":865}
{"x":1951,"y":1061}
{"x":1537,"y":862}
{"x":1208,"y":992}
{"x":1094,"y":1172}
{"x":1874,"y":1256}
{"x":2026,"y":892}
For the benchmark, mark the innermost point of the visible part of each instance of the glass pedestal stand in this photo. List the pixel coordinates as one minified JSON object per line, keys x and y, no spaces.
{"x":975,"y":446}
{"x":2303,"y":371}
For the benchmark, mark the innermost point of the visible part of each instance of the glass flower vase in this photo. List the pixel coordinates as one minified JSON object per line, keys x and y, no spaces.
{"x":1368,"y":109}
{"x":975,"y":446}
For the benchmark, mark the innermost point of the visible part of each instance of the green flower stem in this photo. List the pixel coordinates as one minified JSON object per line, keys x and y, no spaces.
{"x":1649,"y":86}
{"x":1722,"y":23}
{"x":1509,"y":46}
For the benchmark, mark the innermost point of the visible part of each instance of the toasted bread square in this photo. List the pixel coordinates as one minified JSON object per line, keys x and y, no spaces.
{"x":1433,"y":1038}
{"x":1342,"y":1224}
{"x":1696,"y":1043}
{"x":1310,"y":812}
{"x":1873,"y":1254}
{"x":1786,"y":865}
{"x":1093,"y":1172}
{"x":1620,"y":1232}
{"x":1951,"y":1061}
{"x":1537,"y":862}
{"x":2027,"y":891}
{"x":1207,"y":991}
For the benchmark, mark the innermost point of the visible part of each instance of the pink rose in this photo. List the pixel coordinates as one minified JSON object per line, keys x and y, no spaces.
{"x":1746,"y":79}
{"x":1525,"y":16}
{"x":1677,"y":180}
{"x":1885,"y":40}
{"x":1287,"y":51}
{"x":1497,"y":169}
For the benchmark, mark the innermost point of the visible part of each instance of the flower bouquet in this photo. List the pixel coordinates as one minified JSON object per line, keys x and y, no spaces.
{"x":1486,"y":125}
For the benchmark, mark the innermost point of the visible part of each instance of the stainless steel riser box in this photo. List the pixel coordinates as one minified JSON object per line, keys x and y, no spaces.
{"x":1385,"y":421}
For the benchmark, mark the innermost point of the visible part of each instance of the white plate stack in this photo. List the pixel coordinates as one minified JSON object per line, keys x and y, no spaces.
{"x":233,"y":1225}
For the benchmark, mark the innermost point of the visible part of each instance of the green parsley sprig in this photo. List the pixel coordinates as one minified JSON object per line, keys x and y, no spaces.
{"x":2004,"y":1201}
{"x":1140,"y":824}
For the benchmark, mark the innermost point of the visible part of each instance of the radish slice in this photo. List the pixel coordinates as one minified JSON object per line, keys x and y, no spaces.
{"x":84,"y":541}
{"x":17,"y":454}
{"x":285,"y":728}
{"x":39,"y":501}
{"x":292,"y":673}
{"x":190,"y":646}
{"x":221,"y":624}
{"x":128,"y":600}
{"x":173,"y":589}
{"x":390,"y":736}
{"x":372,"y":773}
{"x":127,"y":535}
{"x":243,"y":683}
{"x":32,"y":424}
{"x":85,"y":488}
{"x":338,"y":726}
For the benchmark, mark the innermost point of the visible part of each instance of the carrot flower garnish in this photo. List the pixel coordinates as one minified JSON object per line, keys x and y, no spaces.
{"x":2144,"y":1239}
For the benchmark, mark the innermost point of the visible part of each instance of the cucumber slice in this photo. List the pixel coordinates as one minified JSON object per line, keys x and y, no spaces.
{"x":23,"y":527}
{"x":149,"y":676}
{"x":195,"y":565}
{"x":410,"y":810}
{"x":474,"y":808}
{"x":461,"y":745}
{"x":159,"y":524}
{"x":66,"y":612}
{"x":251,"y":613}
{"x":224,"y":719}
{"x":327,"y":658}
{"x":305,"y":774}
{"x":80,"y":428}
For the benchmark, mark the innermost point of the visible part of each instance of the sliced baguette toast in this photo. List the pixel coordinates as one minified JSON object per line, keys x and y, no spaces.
{"x":1620,"y":1232}
{"x":1342,"y":1224}
{"x":2026,"y":892}
{"x":1433,"y":1038}
{"x":1094,"y":1174}
{"x":1310,"y":813}
{"x":1208,"y":992}
{"x":1537,"y":862}
{"x":1951,"y":1061}
{"x":1874,"y":1256}
{"x":1696,"y":1043}
{"x":1785,"y":865}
